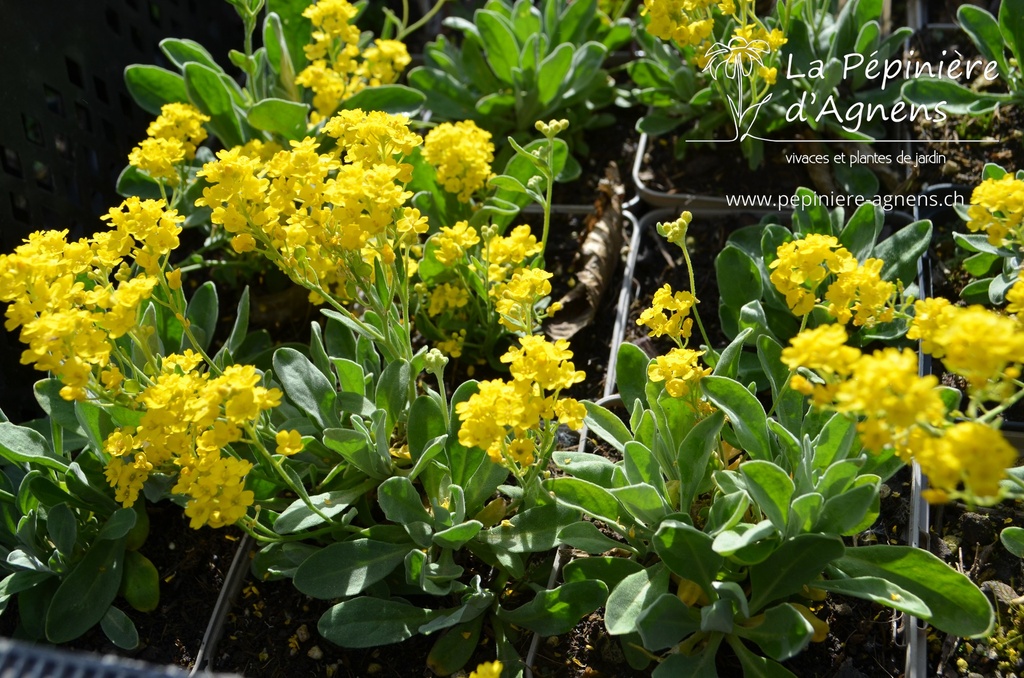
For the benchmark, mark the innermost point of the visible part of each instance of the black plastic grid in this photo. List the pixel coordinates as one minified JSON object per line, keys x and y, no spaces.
{"x":67,"y":121}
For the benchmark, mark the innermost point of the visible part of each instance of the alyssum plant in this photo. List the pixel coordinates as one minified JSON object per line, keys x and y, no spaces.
{"x":728,"y":516}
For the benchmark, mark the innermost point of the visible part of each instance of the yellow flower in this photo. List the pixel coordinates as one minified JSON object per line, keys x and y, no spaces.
{"x":668,"y":314}
{"x":516,"y":301}
{"x":862,"y":295}
{"x":445,"y":298}
{"x":997,"y":209}
{"x":487,"y":670}
{"x":452,"y":242}
{"x":802,"y":265}
{"x":462,"y":154}
{"x":289,"y":443}
{"x":680,"y":370}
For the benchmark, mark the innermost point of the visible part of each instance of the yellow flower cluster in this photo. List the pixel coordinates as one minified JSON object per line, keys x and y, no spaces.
{"x":505,"y":418}
{"x":487,"y":670}
{"x":951,"y":333}
{"x":862,"y":295}
{"x":462,"y":154}
{"x":1015,"y":296}
{"x":322,"y":217}
{"x":63,"y":297}
{"x":680,"y":369}
{"x":997,"y":209}
{"x":900,"y":410}
{"x":190,"y":417}
{"x":669,"y":314}
{"x":446,"y":298}
{"x":337,"y":68}
{"x":858,"y":292}
{"x":505,"y":253}
{"x":171,"y":140}
{"x":453,"y":241}
{"x":802,"y":265}
{"x":516,"y":300}
{"x":688,"y":22}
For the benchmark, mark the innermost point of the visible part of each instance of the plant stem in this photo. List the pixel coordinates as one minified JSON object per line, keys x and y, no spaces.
{"x":693,"y":291}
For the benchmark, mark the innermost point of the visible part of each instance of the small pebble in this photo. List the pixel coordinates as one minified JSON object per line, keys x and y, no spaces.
{"x":315,"y":653}
{"x":303,"y":633}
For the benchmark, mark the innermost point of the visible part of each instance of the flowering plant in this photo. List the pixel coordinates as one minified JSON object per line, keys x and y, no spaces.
{"x":778,"y":280}
{"x":728,"y":517}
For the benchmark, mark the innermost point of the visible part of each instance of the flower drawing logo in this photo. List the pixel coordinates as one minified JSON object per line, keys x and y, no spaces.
{"x":740,"y":60}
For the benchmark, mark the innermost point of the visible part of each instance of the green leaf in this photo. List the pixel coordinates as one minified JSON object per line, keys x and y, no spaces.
{"x":984,"y":33}
{"x":371,"y":622}
{"x":85,"y":594}
{"x":203,"y":312}
{"x":152,"y":87}
{"x":457,"y":535}
{"x":643,"y":502}
{"x":688,"y":553}
{"x":700,"y":665}
{"x":588,"y":466}
{"x":771,"y":488}
{"x":455,"y":647}
{"x":181,"y":52}
{"x":862,"y":230}
{"x":278,"y":116}
{"x":393,"y":390}
{"x":902,"y":250}
{"x":118,"y":525}
{"x":783,"y":633}
{"x":587,"y":537}
{"x":611,"y":570}
{"x":739,"y":279}
{"x":535,"y":529}
{"x":1011,"y":25}
{"x":957,"y":606}
{"x":500,"y":41}
{"x":592,"y":499}
{"x":556,"y":611}
{"x":62,"y":528}
{"x":607,"y":426}
{"x":746,"y":414}
{"x":845,"y":513}
{"x":632,"y":596}
{"x":393,"y":99}
{"x":208,"y":92}
{"x":631,"y":374}
{"x":1013,"y":539}
{"x":119,"y":628}
{"x":666,"y":622}
{"x":694,"y":453}
{"x":296,"y":28}
{"x":306,"y":387}
{"x":348,"y":567}
{"x":795,"y":563}
{"x":298,"y":516}
{"x":19,"y":444}
{"x":878,"y":590}
{"x":947,"y":96}
{"x":401,"y":502}
{"x":551,"y":77}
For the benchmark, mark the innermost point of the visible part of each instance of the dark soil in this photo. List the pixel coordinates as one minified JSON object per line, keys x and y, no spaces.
{"x":715,"y":170}
{"x":968,"y":539}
